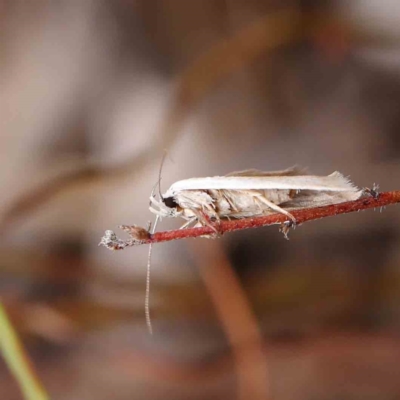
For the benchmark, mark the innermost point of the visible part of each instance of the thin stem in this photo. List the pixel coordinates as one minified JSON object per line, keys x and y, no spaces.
{"x":303,"y":215}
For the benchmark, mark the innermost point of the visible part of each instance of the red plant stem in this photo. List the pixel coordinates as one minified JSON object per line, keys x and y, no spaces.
{"x":301,"y":216}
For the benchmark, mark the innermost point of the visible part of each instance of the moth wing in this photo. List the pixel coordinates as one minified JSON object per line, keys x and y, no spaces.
{"x":312,"y":198}
{"x":292,"y":171}
{"x":206,"y":183}
{"x":334,"y":182}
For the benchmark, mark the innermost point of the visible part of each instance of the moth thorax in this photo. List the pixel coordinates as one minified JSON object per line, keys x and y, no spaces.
{"x":170,"y":202}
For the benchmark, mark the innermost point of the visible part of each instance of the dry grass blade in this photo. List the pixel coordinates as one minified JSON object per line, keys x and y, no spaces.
{"x":18,"y":362}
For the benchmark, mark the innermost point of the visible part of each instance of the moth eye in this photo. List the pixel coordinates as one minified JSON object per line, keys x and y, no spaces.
{"x":170,"y":202}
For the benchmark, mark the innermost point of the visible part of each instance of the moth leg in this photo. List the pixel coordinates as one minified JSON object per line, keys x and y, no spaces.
{"x":161,"y":209}
{"x":275,"y":207}
{"x":259,"y":203}
{"x":285,"y":228}
{"x":210,"y":211}
{"x":154,"y":201}
{"x":204,"y":220}
{"x":187,"y":223}
{"x":216,"y":217}
{"x":372,"y":192}
{"x":163,"y":213}
{"x":157,"y":212}
{"x":231,"y":203}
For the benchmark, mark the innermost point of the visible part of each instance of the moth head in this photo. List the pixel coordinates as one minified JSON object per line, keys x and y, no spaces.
{"x":170,"y":202}
{"x":166,"y":207}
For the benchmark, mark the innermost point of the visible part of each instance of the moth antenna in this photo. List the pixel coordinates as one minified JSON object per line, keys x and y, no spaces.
{"x":147,"y":296}
{"x":153,"y":190}
{"x":159,"y":178}
{"x":159,"y":173}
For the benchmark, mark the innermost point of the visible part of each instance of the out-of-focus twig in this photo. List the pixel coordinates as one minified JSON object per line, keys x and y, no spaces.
{"x":18,"y":362}
{"x":237,"y":319}
{"x":112,"y":242}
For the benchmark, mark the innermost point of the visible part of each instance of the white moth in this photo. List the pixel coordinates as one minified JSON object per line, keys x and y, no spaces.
{"x":251,"y":193}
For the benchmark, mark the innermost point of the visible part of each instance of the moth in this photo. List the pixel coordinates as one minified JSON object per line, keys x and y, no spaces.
{"x":251,"y":193}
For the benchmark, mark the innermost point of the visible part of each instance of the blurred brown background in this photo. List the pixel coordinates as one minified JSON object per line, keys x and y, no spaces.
{"x":93,"y":91}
